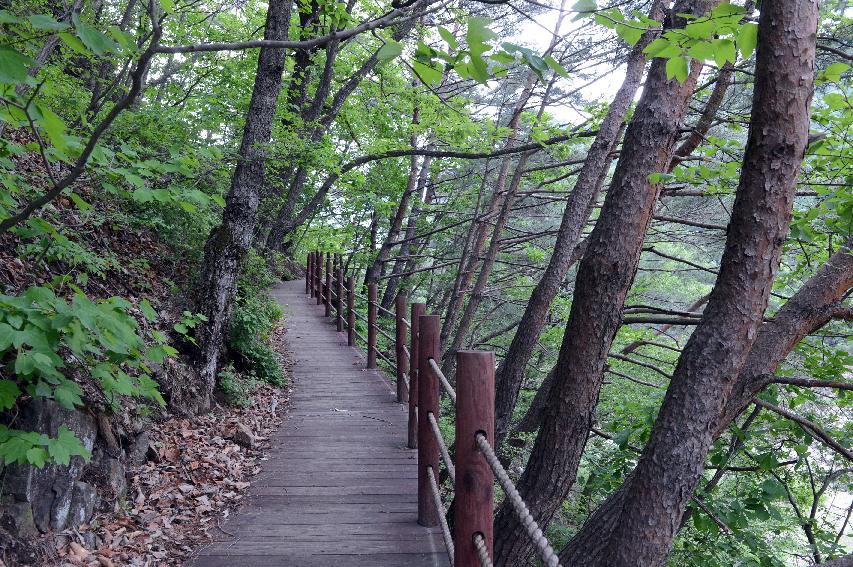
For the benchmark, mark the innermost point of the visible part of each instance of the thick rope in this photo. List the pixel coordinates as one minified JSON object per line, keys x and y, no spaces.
{"x":482,"y":550}
{"x":439,"y":507}
{"x":443,"y":379}
{"x":442,"y":446}
{"x":543,"y":548}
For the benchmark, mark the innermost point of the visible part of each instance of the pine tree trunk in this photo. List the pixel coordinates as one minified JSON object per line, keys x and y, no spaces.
{"x":654,"y":497}
{"x":605,"y":274}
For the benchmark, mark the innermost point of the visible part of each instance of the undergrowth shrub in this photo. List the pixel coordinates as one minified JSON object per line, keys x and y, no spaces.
{"x":253,"y":320}
{"x":237,"y":388}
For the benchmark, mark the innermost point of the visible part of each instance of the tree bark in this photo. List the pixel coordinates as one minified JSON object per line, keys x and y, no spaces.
{"x":511,"y":372}
{"x":605,"y":274}
{"x":653,"y":499}
{"x":227,"y":245}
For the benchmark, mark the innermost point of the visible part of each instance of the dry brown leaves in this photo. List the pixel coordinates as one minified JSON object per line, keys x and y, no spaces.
{"x":196,"y":474}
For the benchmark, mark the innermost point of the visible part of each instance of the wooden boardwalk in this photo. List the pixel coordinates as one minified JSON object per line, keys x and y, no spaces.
{"x":340,"y":487}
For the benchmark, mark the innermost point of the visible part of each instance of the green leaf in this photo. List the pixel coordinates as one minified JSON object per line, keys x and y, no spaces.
{"x":724,"y":50}
{"x":429,"y":75}
{"x":677,"y":68}
{"x":478,"y":34}
{"x":93,"y":39}
{"x":747,"y":39}
{"x":6,"y":335}
{"x":13,"y":66}
{"x":7,"y":17}
{"x":67,"y":394}
{"x":448,"y":37}
{"x":390,"y":50}
{"x":53,"y":126}
{"x":37,"y":456}
{"x":9,"y":393}
{"x":65,"y":446}
{"x":74,"y":43}
{"x":584,"y":7}
{"x":79,"y":202}
{"x":45,"y":22}
{"x":147,"y":310}
{"x":834,"y":71}
{"x":555,"y":66}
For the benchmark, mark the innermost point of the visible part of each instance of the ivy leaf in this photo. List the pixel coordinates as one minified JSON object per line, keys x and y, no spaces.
{"x":14,"y":449}
{"x":747,"y":39}
{"x":37,"y":456}
{"x":9,"y":393}
{"x":389,"y":51}
{"x":67,"y":394}
{"x":65,"y":446}
{"x":677,"y":68}
{"x":6,"y":334}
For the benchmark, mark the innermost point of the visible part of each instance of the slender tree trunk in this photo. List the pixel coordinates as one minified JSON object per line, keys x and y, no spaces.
{"x":468,"y":264}
{"x":641,"y":528}
{"x":227,"y":245}
{"x":401,"y":261}
{"x":511,"y":372}
{"x":605,"y":274}
{"x":375,"y":269}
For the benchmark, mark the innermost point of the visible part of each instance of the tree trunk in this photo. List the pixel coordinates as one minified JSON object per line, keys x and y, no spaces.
{"x":605,"y":274}
{"x":511,"y":372}
{"x":227,"y":245}
{"x":402,"y":259}
{"x":654,"y":497}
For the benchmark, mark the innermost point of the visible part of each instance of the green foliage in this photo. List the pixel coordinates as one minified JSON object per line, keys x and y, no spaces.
{"x":253,"y":320}
{"x":38,"y":332}
{"x":237,"y":388}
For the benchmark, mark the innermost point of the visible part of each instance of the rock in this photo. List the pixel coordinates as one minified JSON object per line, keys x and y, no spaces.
{"x":244,"y":436}
{"x":83,"y":502}
{"x":17,"y":518}
{"x":49,"y":490}
{"x":138,"y":450}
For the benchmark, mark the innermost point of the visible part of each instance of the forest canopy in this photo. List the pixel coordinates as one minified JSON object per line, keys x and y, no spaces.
{"x":643,"y":208}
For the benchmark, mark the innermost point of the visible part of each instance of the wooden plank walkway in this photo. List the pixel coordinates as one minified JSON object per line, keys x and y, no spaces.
{"x":340,"y":487}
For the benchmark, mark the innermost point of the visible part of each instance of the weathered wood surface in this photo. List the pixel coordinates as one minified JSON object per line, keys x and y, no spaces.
{"x":340,"y":487}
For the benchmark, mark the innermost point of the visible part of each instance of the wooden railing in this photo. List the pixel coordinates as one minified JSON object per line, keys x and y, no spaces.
{"x":474,"y":468}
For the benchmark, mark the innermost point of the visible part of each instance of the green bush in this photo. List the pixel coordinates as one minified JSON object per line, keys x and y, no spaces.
{"x":237,"y":388}
{"x":253,"y":320}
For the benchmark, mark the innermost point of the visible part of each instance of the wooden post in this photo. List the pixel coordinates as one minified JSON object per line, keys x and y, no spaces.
{"x":428,"y":331}
{"x":314,"y":274}
{"x":475,"y":413}
{"x":319,"y":278}
{"x":339,"y":304}
{"x":308,"y":273}
{"x":418,"y":309}
{"x":400,"y":344}
{"x":350,"y":311}
{"x":371,"y":325}
{"x":328,"y":297}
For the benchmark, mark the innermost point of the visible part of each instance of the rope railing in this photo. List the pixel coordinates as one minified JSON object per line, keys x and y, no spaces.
{"x":442,"y":446}
{"x":445,"y":383}
{"x":543,"y":548}
{"x":482,"y":551}
{"x":475,"y":466}
{"x":442,"y":515}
